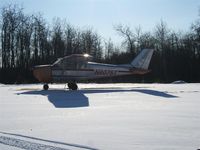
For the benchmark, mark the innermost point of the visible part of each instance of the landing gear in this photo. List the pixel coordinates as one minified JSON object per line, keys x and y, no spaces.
{"x":45,"y":86}
{"x":72,"y":86}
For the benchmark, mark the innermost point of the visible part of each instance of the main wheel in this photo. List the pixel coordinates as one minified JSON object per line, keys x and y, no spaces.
{"x":45,"y":86}
{"x":72,"y":86}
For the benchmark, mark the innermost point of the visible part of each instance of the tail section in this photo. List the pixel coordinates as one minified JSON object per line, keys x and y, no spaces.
{"x":143,"y":59}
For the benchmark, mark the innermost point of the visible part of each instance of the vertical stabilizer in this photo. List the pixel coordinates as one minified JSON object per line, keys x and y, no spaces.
{"x":143,"y":59}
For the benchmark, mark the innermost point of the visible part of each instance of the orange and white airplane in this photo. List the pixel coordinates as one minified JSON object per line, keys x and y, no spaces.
{"x":76,"y":67}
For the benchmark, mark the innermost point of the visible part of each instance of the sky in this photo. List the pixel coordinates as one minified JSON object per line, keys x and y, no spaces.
{"x":103,"y":15}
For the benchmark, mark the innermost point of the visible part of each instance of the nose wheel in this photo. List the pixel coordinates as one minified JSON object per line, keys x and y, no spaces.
{"x":45,"y":86}
{"x":72,"y":86}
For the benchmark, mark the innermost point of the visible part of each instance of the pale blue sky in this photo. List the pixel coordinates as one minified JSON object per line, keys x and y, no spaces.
{"x":102,"y":15}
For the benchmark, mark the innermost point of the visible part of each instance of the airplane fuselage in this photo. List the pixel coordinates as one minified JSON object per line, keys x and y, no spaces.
{"x":91,"y":71}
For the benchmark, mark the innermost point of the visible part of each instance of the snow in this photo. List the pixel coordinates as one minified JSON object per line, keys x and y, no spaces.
{"x":100,"y":116}
{"x":179,"y":82}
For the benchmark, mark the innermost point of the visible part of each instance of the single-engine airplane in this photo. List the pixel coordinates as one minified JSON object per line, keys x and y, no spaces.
{"x":76,"y":67}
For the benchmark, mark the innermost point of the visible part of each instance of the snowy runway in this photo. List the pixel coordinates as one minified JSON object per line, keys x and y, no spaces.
{"x":100,"y":116}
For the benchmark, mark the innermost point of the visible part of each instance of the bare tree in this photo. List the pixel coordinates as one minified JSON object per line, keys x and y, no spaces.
{"x":10,"y":22}
{"x":161,"y":35}
{"x":71,"y":40}
{"x":40,"y":39}
{"x":109,"y":48}
{"x":130,"y":38}
{"x":57,"y":39}
{"x":138,"y":34}
{"x":162,"y":45}
{"x":147,"y":40}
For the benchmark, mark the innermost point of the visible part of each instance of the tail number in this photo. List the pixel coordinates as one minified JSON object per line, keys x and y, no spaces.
{"x":99,"y":72}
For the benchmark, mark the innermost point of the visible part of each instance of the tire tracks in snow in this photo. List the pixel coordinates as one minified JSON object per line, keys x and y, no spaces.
{"x":9,"y":140}
{"x":26,"y":144}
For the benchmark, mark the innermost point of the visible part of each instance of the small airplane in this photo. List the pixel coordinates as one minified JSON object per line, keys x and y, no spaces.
{"x":76,"y":67}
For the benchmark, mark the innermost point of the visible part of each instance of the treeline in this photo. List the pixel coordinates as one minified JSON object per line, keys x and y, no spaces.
{"x":28,"y":40}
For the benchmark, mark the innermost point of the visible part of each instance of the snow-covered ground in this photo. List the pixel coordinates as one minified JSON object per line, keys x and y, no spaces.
{"x":100,"y":116}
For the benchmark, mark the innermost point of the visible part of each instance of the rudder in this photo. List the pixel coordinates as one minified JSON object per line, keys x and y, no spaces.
{"x":143,"y":59}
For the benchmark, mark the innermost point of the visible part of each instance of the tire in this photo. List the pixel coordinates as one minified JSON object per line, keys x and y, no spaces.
{"x":45,"y":87}
{"x":72,"y":86}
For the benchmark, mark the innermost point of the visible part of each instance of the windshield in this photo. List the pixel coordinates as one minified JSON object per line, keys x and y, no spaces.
{"x":57,"y":61}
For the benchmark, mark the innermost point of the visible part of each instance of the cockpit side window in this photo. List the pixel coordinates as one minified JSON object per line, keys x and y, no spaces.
{"x":68,"y":63}
{"x":73,"y":62}
{"x":81,"y":64}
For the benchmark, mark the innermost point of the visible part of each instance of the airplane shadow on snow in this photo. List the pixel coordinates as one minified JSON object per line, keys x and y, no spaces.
{"x":61,"y":98}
